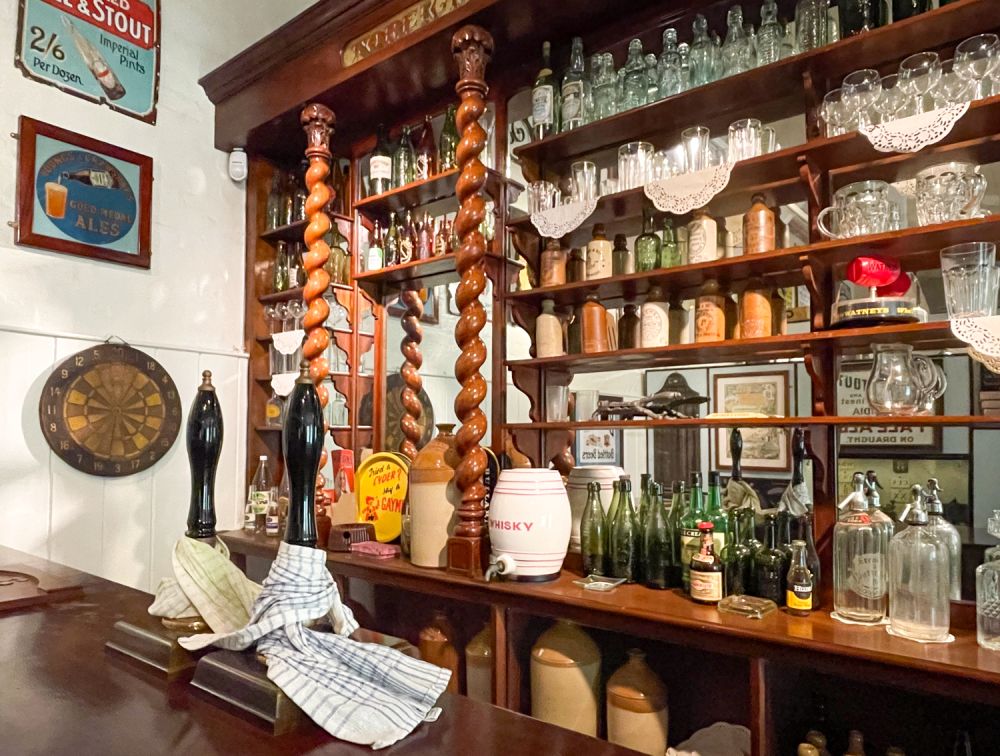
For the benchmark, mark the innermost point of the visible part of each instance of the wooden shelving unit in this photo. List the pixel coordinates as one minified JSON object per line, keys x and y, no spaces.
{"x":440,"y":186}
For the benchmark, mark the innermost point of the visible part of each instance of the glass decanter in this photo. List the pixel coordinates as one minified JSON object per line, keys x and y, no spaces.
{"x":859,"y":564}
{"x":670,"y":64}
{"x":919,"y":581}
{"x":901,"y":382}
{"x":702,"y":51}
{"x":736,"y":50}
{"x":988,"y":592}
{"x":635,"y":85}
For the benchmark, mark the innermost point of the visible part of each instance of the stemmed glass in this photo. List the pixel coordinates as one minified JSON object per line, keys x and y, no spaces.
{"x":271,"y":319}
{"x":296,"y":311}
{"x":859,"y":92}
{"x":918,"y":75}
{"x":976,"y":59}
{"x":892,"y":101}
{"x":952,"y":88}
{"x":833,"y":113}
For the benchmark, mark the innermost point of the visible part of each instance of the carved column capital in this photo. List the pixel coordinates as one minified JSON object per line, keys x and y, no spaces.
{"x":317,"y":121}
{"x":472,"y":47}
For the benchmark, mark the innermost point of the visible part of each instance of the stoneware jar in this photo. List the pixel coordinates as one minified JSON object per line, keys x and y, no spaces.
{"x":434,"y":499}
{"x":576,"y":487}
{"x":637,"y":707}
{"x":437,"y":646}
{"x":548,"y":332}
{"x":565,"y":678}
{"x":530,"y":524}
{"x":479,"y":666}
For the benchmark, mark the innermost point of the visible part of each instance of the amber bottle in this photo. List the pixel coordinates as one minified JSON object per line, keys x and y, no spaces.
{"x":758,"y":227}
{"x":553,"y":264}
{"x":710,"y":313}
{"x":594,"y":326}
{"x":755,"y":310}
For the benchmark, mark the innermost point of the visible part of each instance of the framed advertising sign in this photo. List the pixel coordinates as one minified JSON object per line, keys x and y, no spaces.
{"x":105,"y":51}
{"x":83,"y":197}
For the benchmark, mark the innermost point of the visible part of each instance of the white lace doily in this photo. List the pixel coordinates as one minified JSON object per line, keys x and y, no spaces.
{"x":282,"y":383}
{"x":913,"y":133}
{"x":286,"y":342}
{"x":990,"y":363}
{"x":559,"y":221}
{"x":982,"y":334}
{"x":688,"y":191}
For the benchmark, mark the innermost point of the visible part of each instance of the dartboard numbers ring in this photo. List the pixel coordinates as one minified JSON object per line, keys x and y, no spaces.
{"x":110,"y":410}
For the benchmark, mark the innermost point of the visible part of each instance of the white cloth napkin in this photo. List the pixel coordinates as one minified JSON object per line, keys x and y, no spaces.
{"x":739,"y":493}
{"x":360,"y":692}
{"x":719,"y":739}
{"x":796,"y":500}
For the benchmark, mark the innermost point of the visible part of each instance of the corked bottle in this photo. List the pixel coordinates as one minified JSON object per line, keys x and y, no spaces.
{"x":548,"y":332}
{"x":755,"y":310}
{"x":553,"y":264}
{"x":710,"y":313}
{"x":759,"y":229}
{"x":629,"y":329}
{"x":576,"y":267}
{"x":594,"y":326}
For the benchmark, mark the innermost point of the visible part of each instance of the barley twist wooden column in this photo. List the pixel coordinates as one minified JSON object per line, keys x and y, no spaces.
{"x":472,"y":47}
{"x":317,"y":121}
{"x":410,"y":371}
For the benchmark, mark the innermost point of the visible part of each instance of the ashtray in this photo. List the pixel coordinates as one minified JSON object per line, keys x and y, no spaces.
{"x":598,"y":583}
{"x":747,"y":606}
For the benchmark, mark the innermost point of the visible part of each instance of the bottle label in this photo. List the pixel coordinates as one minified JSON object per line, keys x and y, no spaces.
{"x":423,"y":167}
{"x":542,"y":99}
{"x":799,"y":596}
{"x":572,"y":101}
{"x":706,"y":586}
{"x":248,"y":518}
{"x":710,"y":318}
{"x":271,"y":524}
{"x":703,"y":243}
{"x":374,"y":258}
{"x":598,"y":260}
{"x":259,"y":501}
{"x":273,"y":411}
{"x":405,"y":250}
{"x":380,"y":167}
{"x":655,"y":325}
{"x":868,"y":576}
{"x":690,"y":545}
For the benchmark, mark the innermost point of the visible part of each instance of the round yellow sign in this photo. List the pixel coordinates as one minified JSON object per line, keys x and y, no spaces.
{"x":381,"y":490}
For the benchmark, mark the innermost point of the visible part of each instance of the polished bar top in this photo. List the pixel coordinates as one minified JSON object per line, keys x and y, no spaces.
{"x":63,"y":693}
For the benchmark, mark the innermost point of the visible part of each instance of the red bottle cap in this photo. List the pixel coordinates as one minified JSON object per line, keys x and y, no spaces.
{"x":705,"y":526}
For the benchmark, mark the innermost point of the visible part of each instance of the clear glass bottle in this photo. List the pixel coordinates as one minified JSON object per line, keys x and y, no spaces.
{"x":622,"y":258}
{"x":879,"y":518}
{"x":604,"y":86}
{"x":280,"y":279}
{"x":706,"y":569}
{"x":656,"y":551}
{"x":702,"y":52}
{"x":770,"y":34}
{"x":273,"y":219}
{"x":575,"y":89}
{"x":718,"y":62}
{"x":684,"y":50}
{"x":624,"y":537}
{"x":594,"y":533}
{"x":859,"y":565}
{"x":273,"y":411}
{"x":635,"y":86}
{"x":380,"y":164}
{"x":919,"y":581}
{"x":392,"y":242}
{"x":448,"y":140}
{"x":647,"y":244}
{"x":690,"y":538}
{"x":988,"y":592}
{"x":948,"y":533}
{"x":736,"y":558}
{"x":544,"y":121}
{"x":652,"y":78}
{"x":259,"y":495}
{"x":670,"y":253}
{"x":736,"y":50}
{"x":811,"y":22}
{"x":799,"y":582}
{"x":769,"y":565}
{"x":299,"y":193}
{"x":669,"y":64}
{"x":404,"y":159}
{"x":272,"y":519}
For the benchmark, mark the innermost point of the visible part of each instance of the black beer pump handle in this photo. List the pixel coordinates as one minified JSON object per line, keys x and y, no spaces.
{"x":798,"y":456}
{"x":736,"y":452}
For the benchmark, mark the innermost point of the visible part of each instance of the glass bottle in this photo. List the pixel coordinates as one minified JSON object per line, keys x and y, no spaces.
{"x":425,"y":238}
{"x":634,"y":86}
{"x":280,"y":280}
{"x":811,"y":21}
{"x":299,"y":193}
{"x":857,"y":16}
{"x":799,"y":582}
{"x":736,"y":51}
{"x":919,"y":581}
{"x":273,"y":217}
{"x":690,"y":538}
{"x":392,"y":242}
{"x":644,"y":480}
{"x":684,"y":50}
{"x":769,"y":565}
{"x":593,"y":533}
{"x":702,"y":69}
{"x":714,"y":513}
{"x":625,"y":537}
{"x":736,"y":558}
{"x":655,"y":329}
{"x":718,"y":62}
{"x":905,"y":8}
{"x":407,"y":235}
{"x":748,"y":530}
{"x":404,"y":159}
{"x":287,"y":201}
{"x":670,"y":253}
{"x":629,"y":329}
{"x":859,"y":565}
{"x":273,"y":411}
{"x":647,"y":244}
{"x":427,"y":160}
{"x":674,"y":517}
{"x":599,"y":258}
{"x":656,"y":551}
{"x":616,"y":497}
{"x":670,"y":64}
{"x":948,"y":533}
{"x":448,"y":141}
{"x":879,"y":518}
{"x":380,"y":164}
{"x":605,"y":86}
{"x":622,"y":258}
{"x":374,"y":259}
{"x":576,"y":267}
{"x":706,"y":569}
{"x":652,"y":78}
{"x":272,"y":518}
{"x":575,"y":89}
{"x":770,"y":34}
{"x":703,"y":238}
{"x":260,"y":494}
{"x":543,"y":99}
{"x":988,"y":592}
{"x":805,"y":523}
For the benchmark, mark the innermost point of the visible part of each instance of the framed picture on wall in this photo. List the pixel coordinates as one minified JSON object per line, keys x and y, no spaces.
{"x":80,"y":196}
{"x":595,"y":446}
{"x":760,"y":392}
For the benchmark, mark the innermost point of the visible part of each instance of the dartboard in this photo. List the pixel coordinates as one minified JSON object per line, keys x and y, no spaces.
{"x":110,"y":410}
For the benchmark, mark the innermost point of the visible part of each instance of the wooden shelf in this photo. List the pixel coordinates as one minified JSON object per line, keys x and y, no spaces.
{"x":933,"y":335}
{"x":289,"y":294}
{"x":916,"y":248}
{"x":380,"y":284}
{"x":938,"y":421}
{"x":293,"y":232}
{"x":426,"y":191}
{"x":816,"y":641}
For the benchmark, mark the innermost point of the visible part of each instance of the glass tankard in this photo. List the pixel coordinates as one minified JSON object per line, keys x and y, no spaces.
{"x":903,"y":383}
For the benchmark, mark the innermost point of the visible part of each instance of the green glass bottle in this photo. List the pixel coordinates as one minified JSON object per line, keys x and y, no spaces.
{"x":714,"y":513}
{"x":677,"y":509}
{"x":647,"y":245}
{"x":616,"y":495}
{"x":280,"y":278}
{"x":392,"y":242}
{"x":785,"y":537}
{"x":690,"y":538}
{"x":448,"y":141}
{"x":404,"y":159}
{"x":748,"y":532}
{"x":736,"y":558}
{"x":624,"y":537}
{"x":656,"y":551}
{"x":670,"y":253}
{"x":644,"y":480}
{"x":594,"y":533}
{"x":769,"y":565}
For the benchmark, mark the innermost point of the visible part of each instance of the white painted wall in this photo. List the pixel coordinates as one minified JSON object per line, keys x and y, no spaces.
{"x":186,"y":311}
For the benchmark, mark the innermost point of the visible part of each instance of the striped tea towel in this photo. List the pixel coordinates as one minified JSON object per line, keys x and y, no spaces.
{"x":205,"y":583}
{"x":360,"y":692}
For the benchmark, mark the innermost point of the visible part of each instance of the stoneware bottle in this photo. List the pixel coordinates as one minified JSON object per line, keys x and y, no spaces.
{"x":655,"y":319}
{"x":703,"y":238}
{"x":548,"y":332}
{"x":437,"y":646}
{"x":599,"y":257}
{"x":553,"y":264}
{"x":434,"y":499}
{"x":710,"y":313}
{"x":755,"y":310}
{"x":204,"y":445}
{"x":637,"y":707}
{"x":758,"y":227}
{"x":565,"y":678}
{"x":479,"y":666}
{"x":594,"y":326}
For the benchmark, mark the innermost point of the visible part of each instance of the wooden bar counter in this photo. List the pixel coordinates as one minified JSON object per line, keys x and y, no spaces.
{"x":62,"y":693}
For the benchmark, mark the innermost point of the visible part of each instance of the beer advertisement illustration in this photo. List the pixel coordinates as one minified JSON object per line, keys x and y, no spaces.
{"x":82,"y":196}
{"x":106,"y":51}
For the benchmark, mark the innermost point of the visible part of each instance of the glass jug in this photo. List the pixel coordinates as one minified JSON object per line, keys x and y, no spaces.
{"x":903,"y":383}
